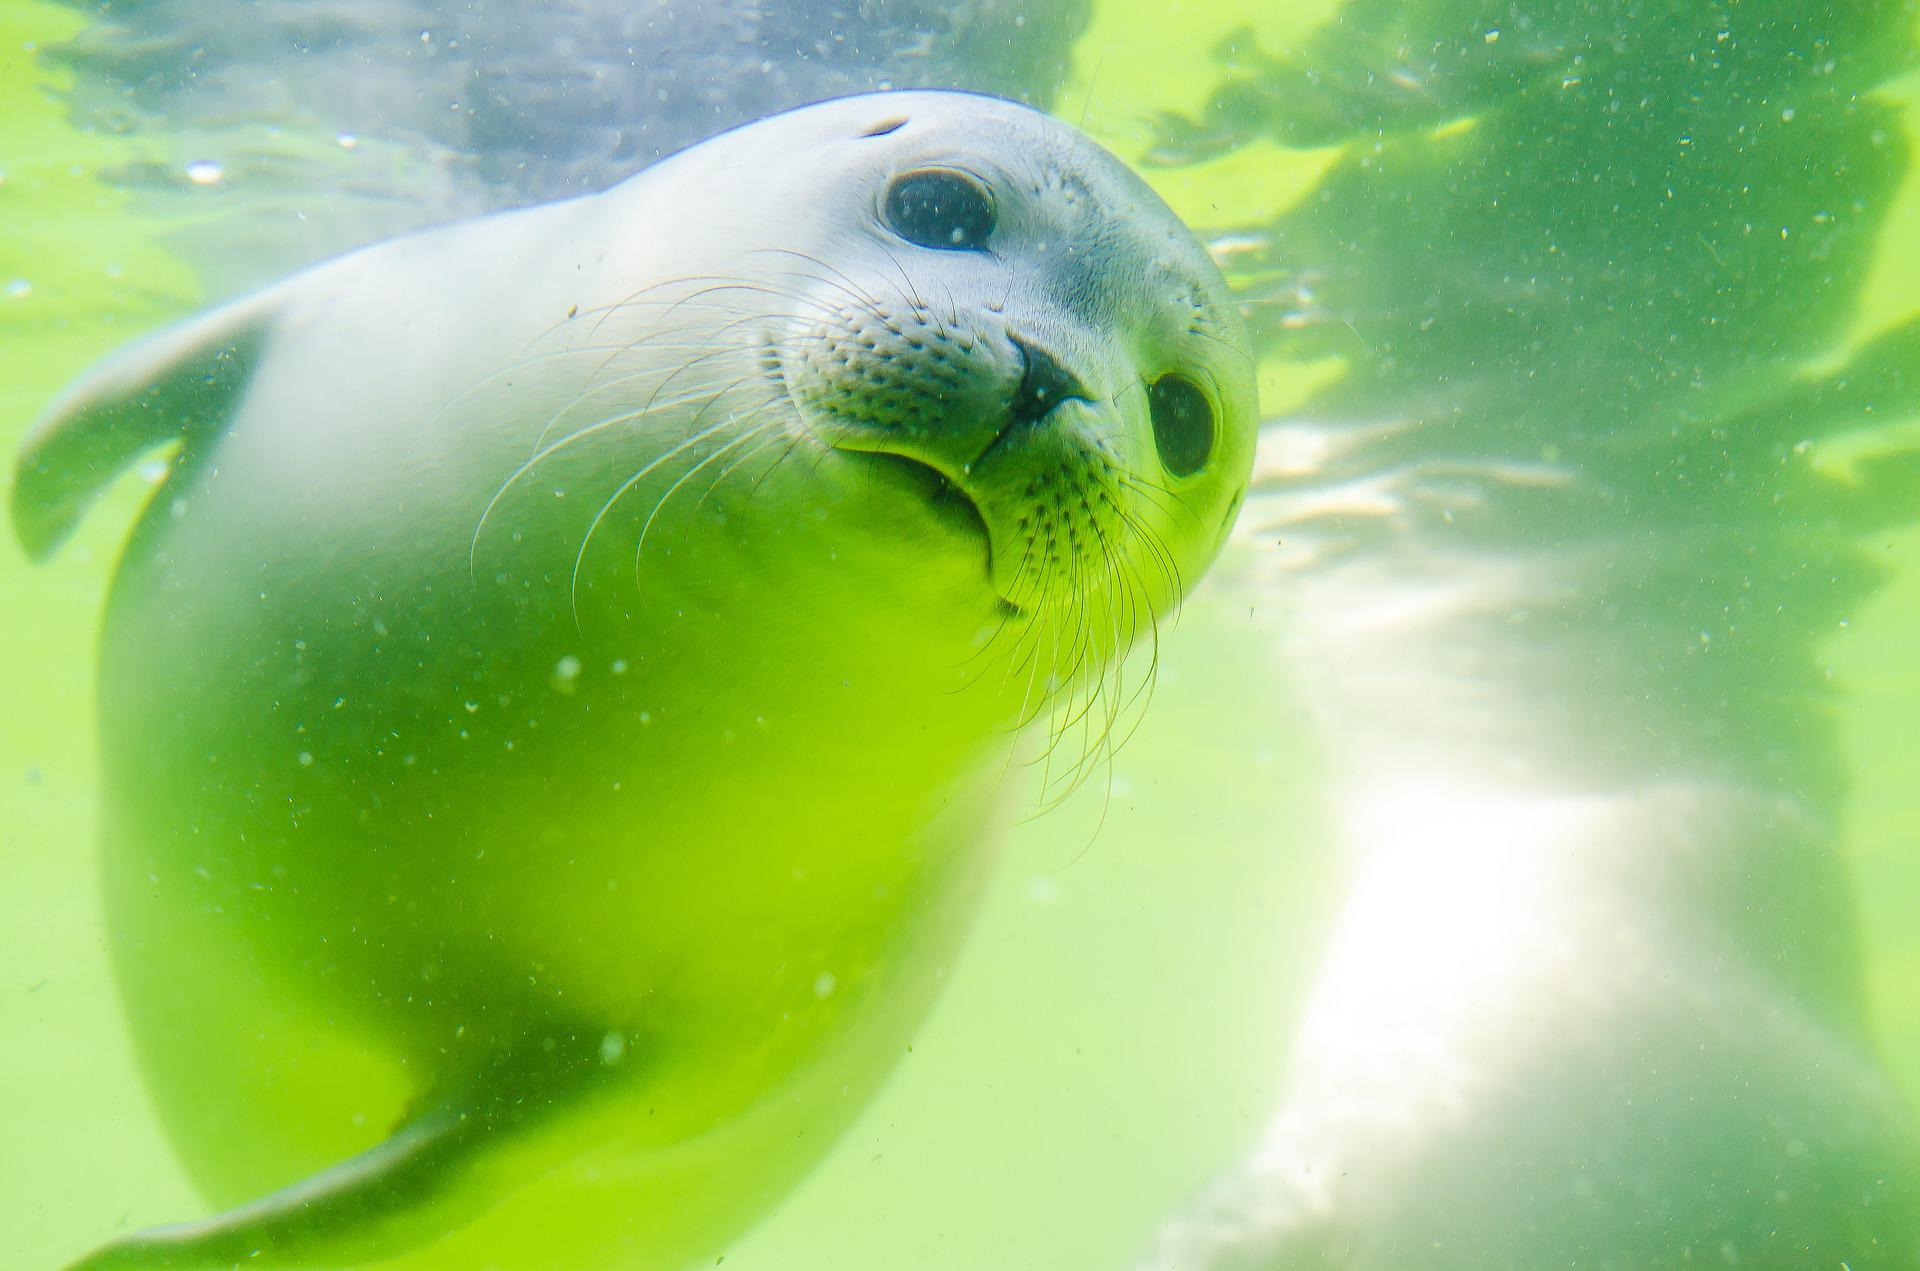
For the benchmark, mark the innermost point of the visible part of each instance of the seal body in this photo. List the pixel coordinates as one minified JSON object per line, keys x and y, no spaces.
{"x":552,"y":708}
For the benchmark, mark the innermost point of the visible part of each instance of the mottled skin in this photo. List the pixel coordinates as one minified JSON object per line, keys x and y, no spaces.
{"x":549,"y":733}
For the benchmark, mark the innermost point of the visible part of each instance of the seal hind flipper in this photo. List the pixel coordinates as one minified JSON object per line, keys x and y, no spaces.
{"x":425,"y":1179}
{"x":177,"y":381}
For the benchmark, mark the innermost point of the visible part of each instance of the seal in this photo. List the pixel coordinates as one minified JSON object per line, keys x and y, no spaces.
{"x":552,"y":709}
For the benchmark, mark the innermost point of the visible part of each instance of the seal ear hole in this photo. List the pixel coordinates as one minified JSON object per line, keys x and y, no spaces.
{"x":939,"y":208}
{"x":1182,"y":424}
{"x":885,"y":126}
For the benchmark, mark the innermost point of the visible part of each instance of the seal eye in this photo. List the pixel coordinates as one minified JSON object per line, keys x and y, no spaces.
{"x":1182,"y":424}
{"x":944,"y":210}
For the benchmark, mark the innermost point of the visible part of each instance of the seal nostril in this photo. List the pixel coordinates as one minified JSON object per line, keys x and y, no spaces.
{"x":1044,"y":384}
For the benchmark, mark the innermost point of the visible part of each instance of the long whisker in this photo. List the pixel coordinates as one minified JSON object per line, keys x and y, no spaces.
{"x":840,"y":280}
{"x":1157,"y":548}
{"x":548,"y":451}
{"x":645,"y":470}
{"x":707,"y":352}
{"x":1163,"y":496}
{"x":770,"y":434}
{"x":600,"y":314}
{"x":905,"y":280}
{"x":795,"y":442}
{"x":646,"y":527}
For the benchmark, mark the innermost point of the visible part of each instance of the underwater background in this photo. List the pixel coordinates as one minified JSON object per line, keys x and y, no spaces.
{"x":1106,"y":1044}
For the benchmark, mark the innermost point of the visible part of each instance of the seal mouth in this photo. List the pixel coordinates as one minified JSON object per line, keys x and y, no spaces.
{"x":950,"y":503}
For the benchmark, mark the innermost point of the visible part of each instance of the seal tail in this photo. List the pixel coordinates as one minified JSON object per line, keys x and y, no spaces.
{"x":427,"y":1179}
{"x":179,"y":381}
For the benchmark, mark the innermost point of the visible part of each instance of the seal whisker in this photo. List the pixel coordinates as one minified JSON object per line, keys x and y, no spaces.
{"x":770,"y":434}
{"x":1158,"y":495}
{"x":620,"y":491}
{"x":845,"y":284}
{"x":1156,"y":546}
{"x":722,"y":284}
{"x":795,"y":440}
{"x":1066,"y":711}
{"x":813,"y":469}
{"x":532,"y":359}
{"x":707,"y":352}
{"x":800,"y":295}
{"x":813,"y":260}
{"x":1138,"y":584}
{"x":1097,"y":749}
{"x":1014,"y":664}
{"x":1128,"y":576}
{"x":1056,"y":690}
{"x":1151,"y":489}
{"x":751,"y":287}
{"x":1029,"y":713}
{"x":863,"y":300}
{"x":1149,"y":536}
{"x":551,"y":355}
{"x":1040,"y":578}
{"x":602,"y":312}
{"x":702,"y":352}
{"x":1010,"y":612}
{"x":574,"y":315}
{"x":1205,"y":334}
{"x":653,"y":401}
{"x":905,"y":279}
{"x":640,"y":547}
{"x":607,"y":311}
{"x":1102,"y":749}
{"x":1109,"y":691}
{"x":1019,"y":606}
{"x":1074,"y":709}
{"x":1157,"y":551}
{"x":553,"y":448}
{"x":1081,"y":642}
{"x":1054,"y":684}
{"x":1024,"y":716}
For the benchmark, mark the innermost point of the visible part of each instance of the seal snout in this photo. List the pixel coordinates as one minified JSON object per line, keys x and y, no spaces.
{"x":1044,"y":384}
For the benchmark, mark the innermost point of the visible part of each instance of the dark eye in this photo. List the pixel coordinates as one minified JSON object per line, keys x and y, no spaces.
{"x":942,"y":210}
{"x":1182,"y":424}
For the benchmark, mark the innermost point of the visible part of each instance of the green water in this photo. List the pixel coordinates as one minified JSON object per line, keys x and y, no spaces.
{"x":1108,"y":1043}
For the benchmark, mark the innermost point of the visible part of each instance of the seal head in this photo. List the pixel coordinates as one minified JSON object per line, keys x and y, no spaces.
{"x":1073,"y":377}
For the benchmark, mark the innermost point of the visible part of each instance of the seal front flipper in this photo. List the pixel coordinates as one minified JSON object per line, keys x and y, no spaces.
{"x":437,"y":1171}
{"x":179,"y":381}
